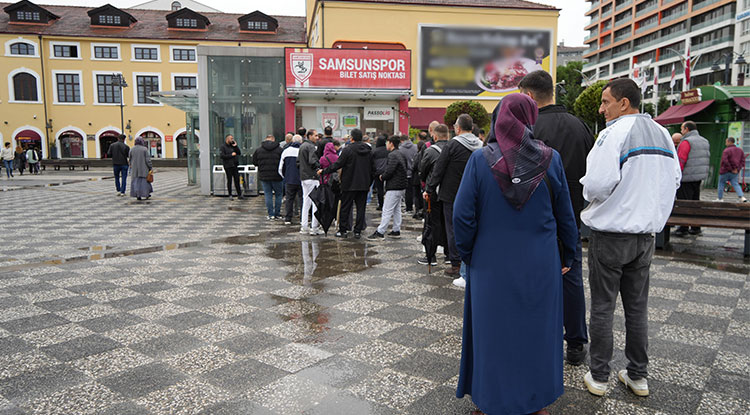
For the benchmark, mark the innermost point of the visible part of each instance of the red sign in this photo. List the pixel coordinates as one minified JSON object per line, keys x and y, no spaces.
{"x":348,"y":68}
{"x":168,"y":138}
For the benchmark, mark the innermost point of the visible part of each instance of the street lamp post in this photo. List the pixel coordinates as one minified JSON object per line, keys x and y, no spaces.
{"x":119,"y":80}
{"x":728,"y":65}
{"x":683,"y":59}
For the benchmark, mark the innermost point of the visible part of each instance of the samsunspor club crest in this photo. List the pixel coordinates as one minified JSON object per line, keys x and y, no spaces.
{"x":302,"y":66}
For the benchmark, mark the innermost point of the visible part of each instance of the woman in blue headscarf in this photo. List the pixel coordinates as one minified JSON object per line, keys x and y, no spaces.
{"x":512,"y":206}
{"x":140,"y":165}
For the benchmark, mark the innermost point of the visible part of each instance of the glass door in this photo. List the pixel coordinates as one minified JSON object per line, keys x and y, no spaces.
{"x":191,"y":121}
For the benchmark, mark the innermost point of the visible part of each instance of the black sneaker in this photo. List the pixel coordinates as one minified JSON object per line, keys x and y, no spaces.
{"x":575,"y":355}
{"x":340,"y":234}
{"x":376,"y":236}
{"x":695,"y":231}
{"x":357,"y":235}
{"x":681,"y":231}
{"x":394,"y":234}
{"x":425,"y":261}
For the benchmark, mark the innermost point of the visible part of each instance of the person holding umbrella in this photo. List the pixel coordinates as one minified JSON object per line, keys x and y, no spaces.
{"x":433,"y":233}
{"x":324,"y":196}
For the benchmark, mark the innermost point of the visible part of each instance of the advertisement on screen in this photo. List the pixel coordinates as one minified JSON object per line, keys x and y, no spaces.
{"x":459,"y":62}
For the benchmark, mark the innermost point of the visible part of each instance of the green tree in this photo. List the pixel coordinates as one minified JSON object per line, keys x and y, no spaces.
{"x":586,"y":106}
{"x":663,"y":104}
{"x":568,"y":92}
{"x":473,"y":108}
{"x":414,"y":133}
{"x":649,"y":109}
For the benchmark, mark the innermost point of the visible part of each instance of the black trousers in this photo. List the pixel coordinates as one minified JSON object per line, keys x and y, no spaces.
{"x":438,"y":230}
{"x":689,"y":191}
{"x":378,"y":184}
{"x":349,"y":199}
{"x":292,"y":195}
{"x":417,"y":192}
{"x":233,"y":174}
{"x":409,"y":196}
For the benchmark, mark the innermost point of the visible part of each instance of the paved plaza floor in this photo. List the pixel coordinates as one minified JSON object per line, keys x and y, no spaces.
{"x":188,"y":304}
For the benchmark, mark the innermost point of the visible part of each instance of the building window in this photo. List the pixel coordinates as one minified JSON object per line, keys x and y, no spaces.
{"x":28,"y":16}
{"x":107,"y":91}
{"x":147,"y":54}
{"x":109,"y":19}
{"x":190,"y":23}
{"x":21,"y":48}
{"x":66,"y":51}
{"x":257,"y":25}
{"x":105,"y":52}
{"x":24,"y":87}
{"x":745,"y":28}
{"x":176,"y":6}
{"x":185,"y":82}
{"x":68,"y":87}
{"x":183,"y":55}
{"x":146,"y":84}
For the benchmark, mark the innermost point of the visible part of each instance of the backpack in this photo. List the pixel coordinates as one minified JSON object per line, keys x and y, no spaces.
{"x":33,"y":159}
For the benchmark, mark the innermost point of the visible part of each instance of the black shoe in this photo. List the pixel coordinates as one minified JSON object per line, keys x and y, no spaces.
{"x":357,"y":235}
{"x":376,"y":236}
{"x":425,"y":261}
{"x":340,"y":234}
{"x":695,"y":231}
{"x":394,"y":234}
{"x":379,"y":208}
{"x":575,"y":355}
{"x":409,"y":210}
{"x":681,"y":231}
{"x":240,"y":197}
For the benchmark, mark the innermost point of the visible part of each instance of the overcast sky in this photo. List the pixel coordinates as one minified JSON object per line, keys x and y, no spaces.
{"x":570,"y":25}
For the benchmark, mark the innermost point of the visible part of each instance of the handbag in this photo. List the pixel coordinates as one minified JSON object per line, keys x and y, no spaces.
{"x":150,"y":176}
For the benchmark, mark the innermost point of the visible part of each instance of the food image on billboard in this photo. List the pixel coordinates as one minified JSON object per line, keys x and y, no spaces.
{"x":479,"y":62}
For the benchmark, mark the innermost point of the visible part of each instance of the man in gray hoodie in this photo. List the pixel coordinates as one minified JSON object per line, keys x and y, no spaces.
{"x":409,"y":150}
{"x":447,"y":174}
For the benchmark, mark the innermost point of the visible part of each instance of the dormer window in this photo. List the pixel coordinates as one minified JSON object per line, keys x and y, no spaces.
{"x":187,"y":19}
{"x":28,"y":16}
{"x":110,"y":16}
{"x":176,"y":6}
{"x":189,"y":23}
{"x":109,"y":20}
{"x":26,"y":12}
{"x":258,"y":22}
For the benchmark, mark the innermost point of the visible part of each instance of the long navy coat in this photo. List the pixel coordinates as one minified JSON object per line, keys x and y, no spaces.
{"x":511,"y":359}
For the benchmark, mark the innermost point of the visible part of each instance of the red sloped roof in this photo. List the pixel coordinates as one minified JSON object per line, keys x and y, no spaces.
{"x":503,"y":4}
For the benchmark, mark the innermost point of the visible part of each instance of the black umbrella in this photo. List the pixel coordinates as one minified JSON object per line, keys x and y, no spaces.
{"x":325,"y":201}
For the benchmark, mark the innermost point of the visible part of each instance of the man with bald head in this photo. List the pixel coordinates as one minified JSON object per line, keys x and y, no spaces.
{"x":676,"y":138}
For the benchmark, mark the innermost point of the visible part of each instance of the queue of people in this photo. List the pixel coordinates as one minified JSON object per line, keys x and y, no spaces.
{"x":18,"y":159}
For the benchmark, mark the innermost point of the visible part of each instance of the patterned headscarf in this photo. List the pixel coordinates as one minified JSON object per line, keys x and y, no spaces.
{"x":517,"y":160}
{"x":140,"y":142}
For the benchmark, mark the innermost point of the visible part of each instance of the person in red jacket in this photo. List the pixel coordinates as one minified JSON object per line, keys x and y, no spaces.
{"x":732,"y":160}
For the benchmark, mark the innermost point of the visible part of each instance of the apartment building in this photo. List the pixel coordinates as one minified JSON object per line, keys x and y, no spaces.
{"x":657,"y":34}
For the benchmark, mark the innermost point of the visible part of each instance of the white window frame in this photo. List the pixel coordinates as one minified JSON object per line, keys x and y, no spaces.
{"x":52,"y":45}
{"x":173,"y":47}
{"x":134,"y":85}
{"x":96,"y":89}
{"x":12,"y":91}
{"x":21,"y":40}
{"x":55,"y":99}
{"x":175,"y":74}
{"x":138,"y":45}
{"x":106,"y":45}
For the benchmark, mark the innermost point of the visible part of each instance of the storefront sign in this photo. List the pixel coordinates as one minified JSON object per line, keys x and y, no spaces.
{"x":479,"y":62}
{"x":378,"y":113}
{"x":348,"y":68}
{"x":690,"y":97}
{"x":350,"y":121}
{"x":168,"y":138}
{"x":735,"y":131}
{"x":330,"y":119}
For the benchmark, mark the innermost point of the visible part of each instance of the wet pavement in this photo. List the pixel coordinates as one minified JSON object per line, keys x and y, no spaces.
{"x":194,"y":305}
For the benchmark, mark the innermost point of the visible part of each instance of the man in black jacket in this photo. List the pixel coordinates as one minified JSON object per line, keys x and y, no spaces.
{"x":119,"y":153}
{"x":327,"y":138}
{"x":396,"y":180}
{"x":230,"y":159}
{"x":266,"y":158}
{"x":573,"y":140}
{"x":447,"y":174}
{"x":357,"y":166}
{"x":437,"y":221}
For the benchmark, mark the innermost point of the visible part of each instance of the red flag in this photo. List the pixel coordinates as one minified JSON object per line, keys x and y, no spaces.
{"x":687,"y":70}
{"x":672,"y":81}
{"x":656,"y":79}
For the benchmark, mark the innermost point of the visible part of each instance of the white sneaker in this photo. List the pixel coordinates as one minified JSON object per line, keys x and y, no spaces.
{"x":718,"y":200}
{"x":304,"y":230}
{"x":743,"y":200}
{"x":639,"y":387}
{"x":596,"y":388}
{"x":459,"y":282}
{"x":314,"y":232}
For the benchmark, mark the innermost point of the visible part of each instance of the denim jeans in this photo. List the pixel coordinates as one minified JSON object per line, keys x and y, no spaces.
{"x":121,"y":171}
{"x":391,"y":209}
{"x":8,"y":167}
{"x":273,"y":194}
{"x":732,"y":179}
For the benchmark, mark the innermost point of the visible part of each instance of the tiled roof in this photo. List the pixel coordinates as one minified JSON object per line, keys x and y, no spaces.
{"x":503,"y":4}
{"x":152,"y":24}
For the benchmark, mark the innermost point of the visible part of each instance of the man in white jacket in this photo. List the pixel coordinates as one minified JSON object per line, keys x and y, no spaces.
{"x":631,"y":179}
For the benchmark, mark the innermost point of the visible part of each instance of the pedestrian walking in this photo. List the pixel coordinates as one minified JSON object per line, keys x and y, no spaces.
{"x":380,"y":156}
{"x":436,"y":217}
{"x":732,"y":161}
{"x":632,"y":175}
{"x":446,"y":175}
{"x":8,"y":156}
{"x":119,"y":153}
{"x":357,"y":167}
{"x":33,"y":158}
{"x":140,"y":168}
{"x":20,"y":159}
{"x":694,"y":154}
{"x":396,"y":181}
{"x":409,"y":150}
{"x":230,"y":159}
{"x":511,"y":207}
{"x":267,"y":158}
{"x":308,"y":163}
{"x":573,"y":140}
{"x":290,"y":172}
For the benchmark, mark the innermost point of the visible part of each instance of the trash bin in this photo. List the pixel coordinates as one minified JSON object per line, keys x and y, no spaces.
{"x":249,"y":180}
{"x":219,"y":181}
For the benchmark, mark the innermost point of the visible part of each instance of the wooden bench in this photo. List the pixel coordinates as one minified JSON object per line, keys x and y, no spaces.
{"x":70,"y":163}
{"x":709,"y":214}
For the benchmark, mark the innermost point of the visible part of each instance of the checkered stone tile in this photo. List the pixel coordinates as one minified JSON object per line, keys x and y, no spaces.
{"x":369,"y":326}
{"x":393,"y":389}
{"x":293,"y":357}
{"x":88,"y":398}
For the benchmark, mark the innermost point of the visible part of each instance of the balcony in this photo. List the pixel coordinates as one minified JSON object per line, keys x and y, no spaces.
{"x":710,"y":43}
{"x":622,"y":36}
{"x":603,"y":72}
{"x":594,"y":5}
{"x":713,"y":21}
{"x":697,"y":5}
{"x":591,"y":36}
{"x":605,"y":42}
{"x":624,"y":20}
{"x":643,"y":28}
{"x":673,"y":16}
{"x":646,"y":10}
{"x":622,"y":5}
{"x":668,"y":73}
{"x":621,"y":53}
{"x":666,"y":2}
{"x":590,"y":50}
{"x":607,"y":13}
{"x":669,"y":54}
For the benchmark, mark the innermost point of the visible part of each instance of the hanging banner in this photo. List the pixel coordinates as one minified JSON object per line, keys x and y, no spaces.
{"x":735,"y":131}
{"x":348,"y":68}
{"x":350,"y":121}
{"x":378,"y":113}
